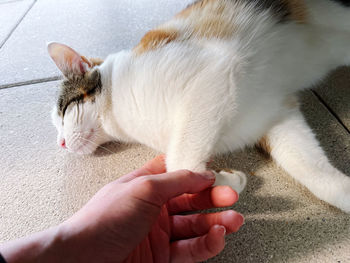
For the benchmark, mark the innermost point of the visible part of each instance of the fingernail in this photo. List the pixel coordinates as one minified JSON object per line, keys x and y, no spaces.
{"x":242,"y":219}
{"x":223,"y":229}
{"x":208,"y":175}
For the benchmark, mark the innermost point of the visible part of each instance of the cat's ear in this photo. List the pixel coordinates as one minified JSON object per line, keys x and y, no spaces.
{"x":68,"y":60}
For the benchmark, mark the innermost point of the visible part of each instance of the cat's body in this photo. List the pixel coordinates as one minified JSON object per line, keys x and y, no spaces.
{"x":220,"y":75}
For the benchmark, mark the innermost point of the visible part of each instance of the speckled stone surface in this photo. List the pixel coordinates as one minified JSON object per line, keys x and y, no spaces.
{"x":10,"y":14}
{"x":41,"y":185}
{"x":335,"y":91}
{"x":92,"y":27}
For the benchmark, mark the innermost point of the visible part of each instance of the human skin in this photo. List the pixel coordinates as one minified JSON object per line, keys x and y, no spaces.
{"x":137,"y":218}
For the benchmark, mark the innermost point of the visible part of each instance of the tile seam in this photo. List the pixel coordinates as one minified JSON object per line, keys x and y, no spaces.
{"x":17,"y":24}
{"x":10,"y":1}
{"x":29,"y":82}
{"x":330,"y":110}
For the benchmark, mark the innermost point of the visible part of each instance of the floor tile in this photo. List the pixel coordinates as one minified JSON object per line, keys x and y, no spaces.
{"x":335,"y":92}
{"x":11,"y":13}
{"x":93,"y":27}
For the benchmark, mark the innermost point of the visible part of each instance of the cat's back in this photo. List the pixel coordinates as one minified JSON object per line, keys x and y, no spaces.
{"x":250,"y":22}
{"x":224,"y":20}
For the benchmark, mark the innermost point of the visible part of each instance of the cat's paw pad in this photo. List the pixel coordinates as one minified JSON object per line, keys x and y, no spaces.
{"x":235,"y":179}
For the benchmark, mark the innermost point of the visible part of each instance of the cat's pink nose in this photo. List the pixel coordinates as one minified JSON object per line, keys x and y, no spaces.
{"x":63,"y":144}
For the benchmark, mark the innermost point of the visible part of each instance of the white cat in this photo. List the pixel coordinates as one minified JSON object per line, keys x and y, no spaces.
{"x":220,"y":75}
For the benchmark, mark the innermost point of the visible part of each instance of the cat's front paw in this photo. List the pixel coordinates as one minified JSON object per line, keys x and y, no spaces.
{"x":235,"y":179}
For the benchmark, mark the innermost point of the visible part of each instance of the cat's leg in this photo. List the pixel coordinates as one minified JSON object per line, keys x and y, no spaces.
{"x":193,"y":142}
{"x":293,"y":145}
{"x":193,"y":151}
{"x":237,"y":180}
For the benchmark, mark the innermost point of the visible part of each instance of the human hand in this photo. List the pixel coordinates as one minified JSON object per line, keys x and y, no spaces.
{"x":136,"y":219}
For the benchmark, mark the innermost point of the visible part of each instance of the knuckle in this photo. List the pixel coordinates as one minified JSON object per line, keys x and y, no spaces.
{"x":186,"y":172}
{"x":146,"y":183}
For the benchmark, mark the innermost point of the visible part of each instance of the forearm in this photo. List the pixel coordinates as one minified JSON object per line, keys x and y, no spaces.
{"x":44,"y":246}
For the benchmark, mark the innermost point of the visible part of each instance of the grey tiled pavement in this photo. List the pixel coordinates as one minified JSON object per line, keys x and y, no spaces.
{"x":94,"y":27}
{"x":42,"y":185}
{"x":11,"y":14}
{"x":335,"y":92}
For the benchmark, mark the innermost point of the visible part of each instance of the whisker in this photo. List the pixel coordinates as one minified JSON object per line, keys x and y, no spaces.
{"x":112,"y":142}
{"x":98,"y":135}
{"x":98,"y":146}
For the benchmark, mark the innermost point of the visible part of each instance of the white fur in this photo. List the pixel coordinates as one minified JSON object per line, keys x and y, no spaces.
{"x":196,"y":98}
{"x":295,"y":148}
{"x":82,"y":129}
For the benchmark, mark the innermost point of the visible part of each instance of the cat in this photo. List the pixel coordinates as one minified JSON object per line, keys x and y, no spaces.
{"x":219,"y":76}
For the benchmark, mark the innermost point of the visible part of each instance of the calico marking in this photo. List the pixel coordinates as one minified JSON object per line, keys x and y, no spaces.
{"x":210,"y":19}
{"x":76,"y":89}
{"x":191,"y":7}
{"x":284,"y":10}
{"x":343,"y":2}
{"x":264,"y":147}
{"x":79,"y":89}
{"x":297,"y":10}
{"x":95,"y":61}
{"x":155,"y":39}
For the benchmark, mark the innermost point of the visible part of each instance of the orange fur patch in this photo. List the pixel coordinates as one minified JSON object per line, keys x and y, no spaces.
{"x":92,"y":61}
{"x":96,"y":61}
{"x":214,"y":27}
{"x":209,"y":18}
{"x":298,"y":10}
{"x":188,"y":10}
{"x":86,"y":61}
{"x":155,"y":39}
{"x":264,"y":145}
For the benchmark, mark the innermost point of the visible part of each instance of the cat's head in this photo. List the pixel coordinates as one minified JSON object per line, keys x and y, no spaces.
{"x":75,"y":115}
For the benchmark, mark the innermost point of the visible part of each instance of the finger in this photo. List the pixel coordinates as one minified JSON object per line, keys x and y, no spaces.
{"x":189,"y":226}
{"x":199,"y":248}
{"x":155,"y":166}
{"x":158,"y":189}
{"x":219,"y":196}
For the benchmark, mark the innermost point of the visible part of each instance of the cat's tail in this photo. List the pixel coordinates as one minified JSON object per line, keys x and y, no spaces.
{"x":294,"y":147}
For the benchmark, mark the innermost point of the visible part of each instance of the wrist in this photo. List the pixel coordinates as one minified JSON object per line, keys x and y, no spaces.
{"x":72,"y":242}
{"x":39,"y":247}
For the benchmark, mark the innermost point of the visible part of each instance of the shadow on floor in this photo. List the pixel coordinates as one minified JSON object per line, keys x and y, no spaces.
{"x":279,"y":228}
{"x":268,"y":240}
{"x":110,"y":148}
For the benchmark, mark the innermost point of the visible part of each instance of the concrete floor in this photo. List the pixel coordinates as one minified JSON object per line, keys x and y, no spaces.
{"x":41,"y":185}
